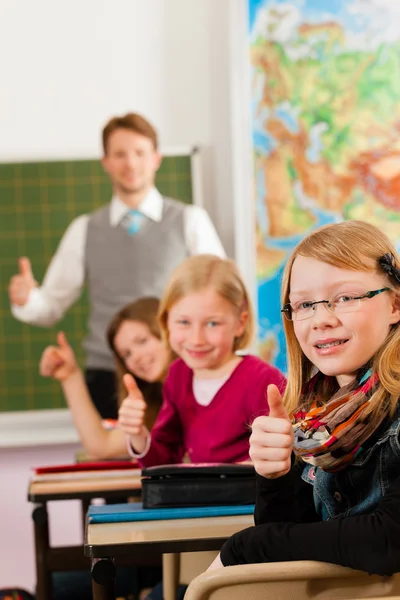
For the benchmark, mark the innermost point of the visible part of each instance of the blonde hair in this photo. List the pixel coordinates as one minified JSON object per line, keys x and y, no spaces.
{"x":202,"y":271}
{"x":355,"y":246}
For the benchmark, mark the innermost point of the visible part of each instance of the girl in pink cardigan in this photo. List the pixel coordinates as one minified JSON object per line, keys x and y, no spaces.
{"x":211,"y":393}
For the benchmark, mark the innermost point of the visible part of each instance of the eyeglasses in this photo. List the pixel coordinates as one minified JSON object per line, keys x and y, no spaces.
{"x":342,"y":303}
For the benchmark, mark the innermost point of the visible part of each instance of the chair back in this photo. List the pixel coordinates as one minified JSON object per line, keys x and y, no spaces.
{"x":300,"y":580}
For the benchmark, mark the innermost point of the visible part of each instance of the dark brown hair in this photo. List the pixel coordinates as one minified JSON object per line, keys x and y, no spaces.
{"x":132,"y":121}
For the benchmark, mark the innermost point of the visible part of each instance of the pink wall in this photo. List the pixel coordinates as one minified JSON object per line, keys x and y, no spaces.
{"x":17,"y":555}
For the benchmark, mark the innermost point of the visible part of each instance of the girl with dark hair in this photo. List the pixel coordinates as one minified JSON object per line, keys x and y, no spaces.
{"x":135,"y":339}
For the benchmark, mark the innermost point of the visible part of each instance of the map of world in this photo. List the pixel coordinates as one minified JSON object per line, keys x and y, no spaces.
{"x":325,"y":107}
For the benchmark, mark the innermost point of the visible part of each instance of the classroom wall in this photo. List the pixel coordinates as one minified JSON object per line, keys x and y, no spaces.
{"x":69,"y":67}
{"x":17,"y":564}
{"x":78,"y":63}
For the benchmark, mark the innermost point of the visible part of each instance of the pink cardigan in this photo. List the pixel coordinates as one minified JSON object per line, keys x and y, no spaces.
{"x":218,"y":432}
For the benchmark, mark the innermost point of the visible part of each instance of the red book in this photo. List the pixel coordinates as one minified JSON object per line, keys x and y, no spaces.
{"x":88,"y":466}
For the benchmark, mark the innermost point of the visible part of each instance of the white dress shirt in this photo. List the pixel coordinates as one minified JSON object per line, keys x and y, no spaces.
{"x":65,"y":276}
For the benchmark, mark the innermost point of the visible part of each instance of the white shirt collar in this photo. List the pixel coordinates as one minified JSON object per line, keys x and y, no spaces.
{"x":151,"y":206}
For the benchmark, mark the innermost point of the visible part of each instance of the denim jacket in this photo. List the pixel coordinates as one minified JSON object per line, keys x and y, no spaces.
{"x":358,"y":488}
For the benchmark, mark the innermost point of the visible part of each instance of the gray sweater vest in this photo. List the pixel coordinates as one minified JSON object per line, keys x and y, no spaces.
{"x":121,"y":268}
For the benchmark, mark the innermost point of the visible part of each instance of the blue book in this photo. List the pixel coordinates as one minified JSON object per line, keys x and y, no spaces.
{"x":118,"y":513}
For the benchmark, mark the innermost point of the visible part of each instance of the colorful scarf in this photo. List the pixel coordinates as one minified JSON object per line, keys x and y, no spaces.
{"x":330,"y":435}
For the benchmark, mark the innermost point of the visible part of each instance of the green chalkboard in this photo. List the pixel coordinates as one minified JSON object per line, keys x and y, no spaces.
{"x":37,"y":203}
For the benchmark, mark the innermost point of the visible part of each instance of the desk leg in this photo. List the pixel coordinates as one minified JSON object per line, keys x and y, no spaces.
{"x":103,"y":579}
{"x":44,"y":587}
{"x":85,"y":503}
{"x":170,"y":566}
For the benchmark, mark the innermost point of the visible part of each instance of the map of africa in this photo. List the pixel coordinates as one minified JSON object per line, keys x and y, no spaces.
{"x":325,"y":104}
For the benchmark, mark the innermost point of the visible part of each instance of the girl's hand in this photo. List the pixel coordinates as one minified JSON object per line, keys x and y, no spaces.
{"x":271,"y":441}
{"x":59,"y":361}
{"x":133,"y":408}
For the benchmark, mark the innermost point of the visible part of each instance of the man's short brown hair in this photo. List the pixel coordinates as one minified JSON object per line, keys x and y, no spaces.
{"x":132,"y":121}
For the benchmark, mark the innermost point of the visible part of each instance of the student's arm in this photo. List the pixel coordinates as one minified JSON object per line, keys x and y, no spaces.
{"x":284,"y":499}
{"x":369,"y":542}
{"x":97,"y":441}
{"x":59,"y":362}
{"x":287,"y":498}
{"x":200,"y":234}
{"x":62,"y":284}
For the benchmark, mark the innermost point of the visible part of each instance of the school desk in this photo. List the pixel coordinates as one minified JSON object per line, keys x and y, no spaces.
{"x":107,"y":542}
{"x":68,"y":558}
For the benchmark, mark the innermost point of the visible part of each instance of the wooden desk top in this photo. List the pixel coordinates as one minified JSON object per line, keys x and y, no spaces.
{"x":67,"y":489}
{"x":172,"y":535}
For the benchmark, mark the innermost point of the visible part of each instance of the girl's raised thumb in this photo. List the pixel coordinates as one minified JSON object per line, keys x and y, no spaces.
{"x":276,"y":408}
{"x":130,"y":383}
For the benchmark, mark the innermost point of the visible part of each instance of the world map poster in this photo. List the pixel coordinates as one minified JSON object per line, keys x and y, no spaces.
{"x":325,"y":108}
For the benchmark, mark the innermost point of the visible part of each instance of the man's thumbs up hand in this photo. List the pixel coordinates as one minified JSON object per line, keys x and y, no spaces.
{"x":25,"y":267}
{"x":21,"y":285}
{"x":271,"y":441}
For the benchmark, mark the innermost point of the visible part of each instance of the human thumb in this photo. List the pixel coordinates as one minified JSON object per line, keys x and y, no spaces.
{"x":25,"y":268}
{"x":62,"y":340}
{"x":276,"y":408}
{"x":130,"y":384}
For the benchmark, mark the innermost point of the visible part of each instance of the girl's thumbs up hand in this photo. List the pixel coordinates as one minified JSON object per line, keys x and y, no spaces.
{"x":133,"y":408}
{"x":58,"y":361}
{"x":271,"y":441}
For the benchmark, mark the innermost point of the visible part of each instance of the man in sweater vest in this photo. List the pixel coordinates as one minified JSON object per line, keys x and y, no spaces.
{"x":122,"y":251}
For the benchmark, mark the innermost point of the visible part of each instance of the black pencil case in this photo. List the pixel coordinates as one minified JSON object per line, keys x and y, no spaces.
{"x":198,"y":485}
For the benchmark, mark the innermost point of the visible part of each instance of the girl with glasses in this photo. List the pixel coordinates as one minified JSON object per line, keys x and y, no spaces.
{"x":328,"y":454}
